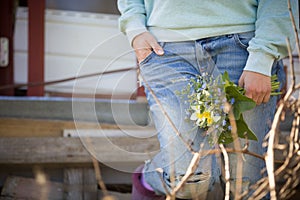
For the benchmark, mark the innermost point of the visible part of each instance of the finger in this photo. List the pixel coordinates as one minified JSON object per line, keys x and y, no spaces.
{"x":266,"y":98}
{"x":263,"y":95}
{"x":159,"y":51}
{"x":156,"y":48}
{"x":145,"y":52}
{"x":254,"y":96}
{"x":259,"y":99}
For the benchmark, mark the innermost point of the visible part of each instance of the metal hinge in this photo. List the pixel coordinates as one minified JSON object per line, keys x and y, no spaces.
{"x":4,"y":52}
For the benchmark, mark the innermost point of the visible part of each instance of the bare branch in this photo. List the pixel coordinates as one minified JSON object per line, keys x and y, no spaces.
{"x":190,"y":170}
{"x":285,"y":170}
{"x":227,"y":173}
{"x":294,"y":27}
{"x":239,"y":162}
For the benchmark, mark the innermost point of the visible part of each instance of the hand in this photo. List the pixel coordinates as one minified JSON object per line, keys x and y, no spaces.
{"x":144,"y":44}
{"x":256,"y":85}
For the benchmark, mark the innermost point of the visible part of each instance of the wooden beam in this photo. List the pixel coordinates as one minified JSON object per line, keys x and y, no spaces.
{"x":18,"y":127}
{"x":7,"y":20}
{"x":82,"y":183}
{"x":49,"y":150}
{"x":99,"y":111}
{"x":36,"y":40}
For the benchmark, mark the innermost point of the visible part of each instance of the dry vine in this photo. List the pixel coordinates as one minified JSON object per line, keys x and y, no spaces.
{"x":289,"y":168}
{"x":289,"y":171}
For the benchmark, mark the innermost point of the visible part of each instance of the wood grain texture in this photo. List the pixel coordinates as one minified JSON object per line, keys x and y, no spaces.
{"x":48,"y":150}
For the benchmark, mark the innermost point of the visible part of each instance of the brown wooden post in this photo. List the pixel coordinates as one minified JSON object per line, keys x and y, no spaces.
{"x":36,"y":41}
{"x":7,"y":21}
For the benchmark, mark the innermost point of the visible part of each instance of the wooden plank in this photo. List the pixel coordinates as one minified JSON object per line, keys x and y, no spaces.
{"x":29,"y":188}
{"x":18,"y":127}
{"x":81,"y":184}
{"x":76,"y":150}
{"x":73,"y":179}
{"x":121,"y":112}
{"x":89,"y":178}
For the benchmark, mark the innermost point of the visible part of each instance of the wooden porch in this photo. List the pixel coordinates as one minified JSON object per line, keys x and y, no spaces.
{"x":46,"y":156}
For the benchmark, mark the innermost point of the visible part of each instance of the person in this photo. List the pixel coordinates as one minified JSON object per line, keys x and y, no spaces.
{"x":173,"y":42}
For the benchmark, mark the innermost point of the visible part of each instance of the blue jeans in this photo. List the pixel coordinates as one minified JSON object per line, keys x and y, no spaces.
{"x":167,"y":75}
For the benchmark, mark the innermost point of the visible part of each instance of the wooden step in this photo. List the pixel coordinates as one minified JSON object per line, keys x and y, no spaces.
{"x":45,"y":150}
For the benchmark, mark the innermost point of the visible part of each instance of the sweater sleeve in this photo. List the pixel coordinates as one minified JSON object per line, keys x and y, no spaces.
{"x":133,"y":17}
{"x":272,"y":27}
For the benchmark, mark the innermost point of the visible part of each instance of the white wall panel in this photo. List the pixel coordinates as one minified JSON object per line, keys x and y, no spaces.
{"x":78,"y":43}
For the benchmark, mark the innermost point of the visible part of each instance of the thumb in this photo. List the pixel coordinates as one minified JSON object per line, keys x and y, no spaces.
{"x":241,"y":80}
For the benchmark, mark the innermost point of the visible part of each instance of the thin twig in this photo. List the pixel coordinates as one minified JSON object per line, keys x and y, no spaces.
{"x":241,"y":151}
{"x":165,"y":113}
{"x":270,"y":152}
{"x":270,"y":164}
{"x":291,"y":60}
{"x":190,"y":170}
{"x":293,"y":150}
{"x":99,"y":177}
{"x":97,"y":170}
{"x":188,"y":173}
{"x":227,"y":173}
{"x":239,"y":161}
{"x":294,"y":27}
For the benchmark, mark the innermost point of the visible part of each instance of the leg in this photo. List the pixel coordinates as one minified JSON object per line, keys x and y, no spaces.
{"x":166,"y":76}
{"x":230,"y":54}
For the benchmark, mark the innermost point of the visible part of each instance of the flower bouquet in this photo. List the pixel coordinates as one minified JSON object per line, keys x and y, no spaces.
{"x":211,"y":100}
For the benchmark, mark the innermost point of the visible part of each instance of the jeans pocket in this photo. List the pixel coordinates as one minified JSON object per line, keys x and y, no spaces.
{"x":242,"y":39}
{"x":148,"y":57}
{"x":151,"y":55}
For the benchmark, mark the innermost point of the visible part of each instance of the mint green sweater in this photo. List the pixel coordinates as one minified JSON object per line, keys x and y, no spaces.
{"x":181,"y":20}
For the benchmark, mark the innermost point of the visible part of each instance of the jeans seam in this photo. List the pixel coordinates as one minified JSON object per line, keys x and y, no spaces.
{"x":239,"y":42}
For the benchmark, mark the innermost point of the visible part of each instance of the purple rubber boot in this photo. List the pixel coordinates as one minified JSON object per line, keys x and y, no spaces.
{"x":139,"y":192}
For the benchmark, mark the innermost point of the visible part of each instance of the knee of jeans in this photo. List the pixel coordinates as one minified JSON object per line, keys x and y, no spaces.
{"x":195,"y":179}
{"x":198,"y":184}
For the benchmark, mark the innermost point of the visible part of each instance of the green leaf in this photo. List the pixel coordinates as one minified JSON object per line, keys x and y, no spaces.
{"x":241,"y":102}
{"x":225,"y":138}
{"x":241,"y":106}
{"x":225,"y":77}
{"x":243,"y":130}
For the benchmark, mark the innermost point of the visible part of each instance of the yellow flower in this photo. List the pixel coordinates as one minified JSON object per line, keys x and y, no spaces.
{"x":199,"y":115}
{"x":206,"y":114}
{"x":209,"y":121}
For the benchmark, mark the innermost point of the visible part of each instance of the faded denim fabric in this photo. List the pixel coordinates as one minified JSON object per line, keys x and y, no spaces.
{"x":170,"y":73}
